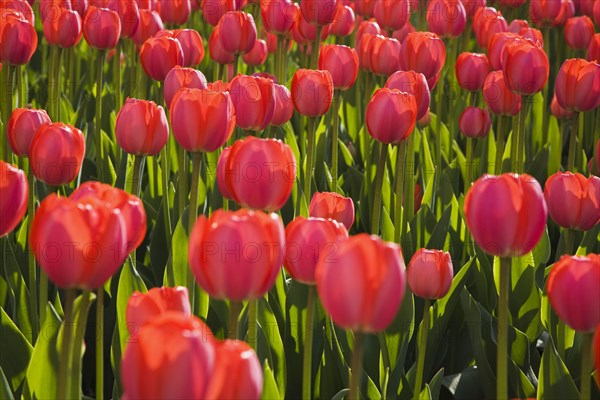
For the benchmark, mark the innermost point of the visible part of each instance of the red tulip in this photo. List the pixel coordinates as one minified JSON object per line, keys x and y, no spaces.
{"x":472,"y":6}
{"x":101,"y":28}
{"x":18,"y":39}
{"x":318,"y":12}
{"x":218,"y":86}
{"x":343,"y":21}
{"x":258,"y":55}
{"x":366,"y":27}
{"x":391,"y":14}
{"x":544,"y":12}
{"x":401,"y":34}
{"x":215,"y":47}
{"x":159,"y":55}
{"x":332,"y":206}
{"x":364,"y":8}
{"x":534,"y":35}
{"x":558,"y":111}
{"x":579,"y":32}
{"x":363,"y":285}
{"x":573,"y":201}
{"x":141,"y":127}
{"x":385,"y":55}
{"x":278,"y":16}
{"x":22,"y":9}
{"x":413,"y":83}
{"x":145,"y":307}
{"x":498,"y":97}
{"x":175,"y":12}
{"x":237,"y":255}
{"x":284,"y":106}
{"x":260,"y":173}
{"x":178,"y":78}
{"x":486,"y":23}
{"x":471,"y":71}
{"x":171,"y":356}
{"x":308,"y":31}
{"x":475,"y":122}
{"x":596,"y":13}
{"x":526,"y":68}
{"x":342,"y":64}
{"x":237,"y":373}
{"x":56,"y":153}
{"x":447,"y":18}
{"x":567,"y":10}
{"x":391,"y":115}
{"x":14,"y":192}
{"x":241,"y":32}
{"x":213,"y":10}
{"x":430,"y":273}
{"x":150,"y":23}
{"x":63,"y":30}
{"x":578,"y":85}
{"x":506,"y":214}
{"x":202,"y":120}
{"x":495,"y":48}
{"x":423,"y":52}
{"x":364,"y":51}
{"x":307,"y":242}
{"x":312,"y":92}
{"x":254,"y":101}
{"x":516,"y":25}
{"x":597,"y":351}
{"x":192,"y":46}
{"x":593,"y":50}
{"x":78,"y":245}
{"x":574,"y":291}
{"x":22,"y":125}
{"x":129,"y":14}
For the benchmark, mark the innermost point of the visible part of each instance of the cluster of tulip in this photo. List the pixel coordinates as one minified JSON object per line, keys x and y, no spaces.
{"x":270,"y":208}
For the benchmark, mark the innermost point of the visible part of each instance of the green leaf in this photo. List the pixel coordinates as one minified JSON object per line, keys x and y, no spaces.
{"x":341,"y":394}
{"x":18,"y":289}
{"x":270,"y":390}
{"x":555,"y":381}
{"x":16,"y":351}
{"x":129,"y":282}
{"x":5,"y":391}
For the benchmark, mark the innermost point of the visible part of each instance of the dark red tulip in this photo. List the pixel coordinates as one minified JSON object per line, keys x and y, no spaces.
{"x":192,"y":46}
{"x":141,"y":127}
{"x":486,"y":23}
{"x":239,"y":32}
{"x":342,"y":64}
{"x":202,"y":120}
{"x":391,"y":14}
{"x":278,"y":16}
{"x":22,"y":125}
{"x":544,"y":12}
{"x":579,"y":32}
{"x":567,"y":10}
{"x":213,"y":10}
{"x":159,"y":55}
{"x":215,"y":47}
{"x":258,"y":55}
{"x":318,"y":12}
{"x":526,"y":68}
{"x":413,"y":83}
{"x":498,"y":97}
{"x":284,"y":106}
{"x":175,"y":12}
{"x":447,"y":18}
{"x":423,"y":52}
{"x":472,"y":6}
{"x":254,"y":101}
{"x":385,"y":55}
{"x":64,"y":29}
{"x":18,"y":39}
{"x":180,"y":77}
{"x":430,"y":273}
{"x":471,"y":71}
{"x":578,"y":85}
{"x":150,"y":23}
{"x":312,"y":92}
{"x":129,"y":14}
{"x":475,"y":122}
{"x":343,"y":22}
{"x":573,"y":201}
{"x":334,"y":206}
{"x":593,"y":50}
{"x":389,"y":105}
{"x":14,"y":192}
{"x":506,"y":214}
{"x":23,"y":9}
{"x":101,"y":28}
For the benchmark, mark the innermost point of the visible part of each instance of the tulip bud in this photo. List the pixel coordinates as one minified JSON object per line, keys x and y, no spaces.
{"x":446,"y":18}
{"x":215,"y":47}
{"x":495,"y":48}
{"x":22,"y":125}
{"x":14,"y":192}
{"x":526,"y":68}
{"x":475,"y":122}
{"x":308,"y":31}
{"x":472,"y":6}
{"x":578,"y":85}
{"x":365,"y":27}
{"x":391,"y":105}
{"x":567,"y":10}
{"x":318,"y":12}
{"x":558,"y":111}
{"x":284,"y":106}
{"x":362,"y":286}
{"x":593,"y":50}
{"x":150,"y":23}
{"x":63,"y":30}
{"x":213,"y":10}
{"x":544,"y":12}
{"x":278,"y":16}
{"x":18,"y":39}
{"x":101,"y":28}
{"x":237,"y":255}
{"x":141,"y":127}
{"x":506,"y":214}
{"x":486,"y":23}
{"x":254,"y":101}
{"x":423,"y":52}
{"x":307,"y":242}
{"x":129,"y":15}
{"x":391,"y":14}
{"x":343,"y":21}
{"x":573,"y":201}
{"x":385,"y":55}
{"x":471,"y":71}
{"x":171,"y":349}
{"x":260,"y":173}
{"x":412,"y":83}
{"x":330,"y":205}
{"x":56,"y":153}
{"x":342,"y":64}
{"x":240,"y":32}
{"x":516,"y":25}
{"x":573,"y":290}
{"x":534,"y":35}
{"x":159,"y":55}
{"x":579,"y":32}
{"x":258,"y":55}
{"x":145,"y":307}
{"x":175,"y":12}
{"x":178,"y":78}
{"x":312,"y":92}
{"x":364,"y":8}
{"x":430,"y":273}
{"x":202,"y":120}
{"x":192,"y":46}
{"x":401,"y":34}
{"x":498,"y":97}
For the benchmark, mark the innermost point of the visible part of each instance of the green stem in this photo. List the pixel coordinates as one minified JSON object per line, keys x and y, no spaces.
{"x":521,"y":137}
{"x":236,"y":63}
{"x":78,"y":346}
{"x":182,"y":179}
{"x":43,"y":296}
{"x":21,"y":86}
{"x":235,"y":307}
{"x":378,"y":184}
{"x":422,"y":349}
{"x":356,"y":366}
{"x":569,"y":241}
{"x":409,"y":177}
{"x":31,"y":257}
{"x":337,"y":95}
{"x":586,"y":366}
{"x":308,"y":344}
{"x":117,"y":74}
{"x":499,"y":145}
{"x":314,"y":55}
{"x":279,"y":57}
{"x":8,"y":93}
{"x":470,"y":163}
{"x":252,"y":324}
{"x":399,"y":221}
{"x":98,"y":119}
{"x":193,"y":215}
{"x":502,"y":355}
{"x":573,"y":143}
{"x":65,"y":348}
{"x":136,"y":182}
{"x":308,"y":173}
{"x":100,"y":344}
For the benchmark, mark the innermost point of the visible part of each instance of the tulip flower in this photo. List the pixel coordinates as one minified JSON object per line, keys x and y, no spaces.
{"x":579,"y":32}
{"x":516,"y":25}
{"x":423,"y":52}
{"x":343,"y":21}
{"x":342,"y":64}
{"x":213,"y":10}
{"x":63,"y":30}
{"x":18,"y":39}
{"x":56,"y":153}
{"x":487,"y":22}
{"x":178,"y":78}
{"x":498,"y":97}
{"x":495,"y":48}
{"x":22,"y":125}
{"x":578,"y":85}
{"x":593,"y":50}
{"x":258,"y":55}
{"x":150,"y":23}
{"x":254,"y":101}
{"x":175,"y":12}
{"x":364,"y":8}
{"x":259,"y":173}
{"x":101,"y":28}
{"x":573,"y":201}
{"x":366,"y":27}
{"x":401,"y":34}
{"x":475,"y":122}
{"x":318,"y":12}
{"x":129,"y":15}
{"x":472,"y":69}
{"x":567,"y":10}
{"x":241,"y":32}
{"x":237,"y":255}
{"x":544,"y":12}
{"x":284,"y":106}
{"x":413,"y":83}
{"x":14,"y":192}
{"x":168,"y":350}
{"x":385,"y":55}
{"x":278,"y":16}
{"x":141,"y":127}
{"x":472,"y":6}
{"x":146,"y":307}
{"x":159,"y":55}
{"x":312,"y":92}
{"x":446,"y":18}
{"x":534,"y":35}
{"x":559,"y":112}
{"x":237,"y":373}
{"x":391,"y":14}
{"x":309,"y":32}
{"x":389,"y":105}
{"x":192,"y":46}
{"x":526,"y":68}
{"x":215,"y":47}
{"x":334,"y":206}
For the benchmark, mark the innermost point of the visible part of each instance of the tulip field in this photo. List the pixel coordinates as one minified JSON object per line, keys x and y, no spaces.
{"x":299,"y":199}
